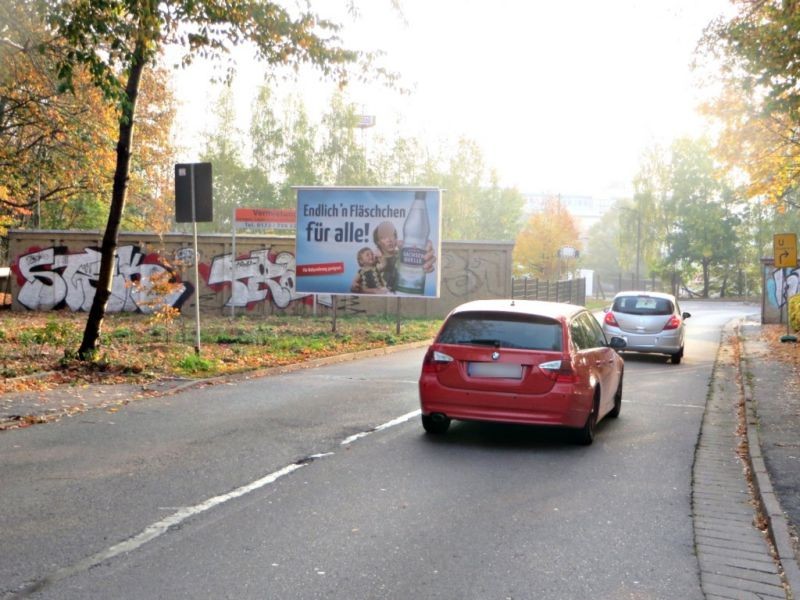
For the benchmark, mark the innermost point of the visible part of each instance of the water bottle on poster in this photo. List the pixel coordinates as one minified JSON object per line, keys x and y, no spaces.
{"x":416,"y":231}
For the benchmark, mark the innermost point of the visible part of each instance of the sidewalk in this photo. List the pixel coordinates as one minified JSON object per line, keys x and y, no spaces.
{"x":743,"y":538}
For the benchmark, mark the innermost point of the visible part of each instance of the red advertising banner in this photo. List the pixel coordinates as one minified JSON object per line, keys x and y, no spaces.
{"x":265,"y":218}
{"x":333,"y":268}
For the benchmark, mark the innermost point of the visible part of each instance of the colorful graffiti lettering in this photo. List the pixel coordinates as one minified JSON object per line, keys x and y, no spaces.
{"x":53,"y":278}
{"x":254,"y":278}
{"x":782,"y":285}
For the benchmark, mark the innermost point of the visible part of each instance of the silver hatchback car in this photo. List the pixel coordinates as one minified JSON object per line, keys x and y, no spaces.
{"x":648,"y":322}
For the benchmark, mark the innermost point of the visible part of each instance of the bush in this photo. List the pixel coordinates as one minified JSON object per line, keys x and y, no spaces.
{"x":794,"y":312}
{"x":192,"y":363}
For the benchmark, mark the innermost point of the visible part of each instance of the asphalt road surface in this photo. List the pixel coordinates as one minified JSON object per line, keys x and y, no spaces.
{"x":322,"y":484}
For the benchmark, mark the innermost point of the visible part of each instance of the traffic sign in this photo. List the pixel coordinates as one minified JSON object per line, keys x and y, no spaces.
{"x":784,"y":250}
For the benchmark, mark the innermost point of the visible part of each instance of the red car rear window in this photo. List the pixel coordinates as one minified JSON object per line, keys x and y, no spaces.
{"x":502,"y":330}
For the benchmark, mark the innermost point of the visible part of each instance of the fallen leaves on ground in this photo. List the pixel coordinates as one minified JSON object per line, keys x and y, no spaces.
{"x":37,"y":350}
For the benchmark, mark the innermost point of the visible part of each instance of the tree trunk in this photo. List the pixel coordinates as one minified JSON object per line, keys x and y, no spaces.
{"x":706,"y":275}
{"x":91,"y":333}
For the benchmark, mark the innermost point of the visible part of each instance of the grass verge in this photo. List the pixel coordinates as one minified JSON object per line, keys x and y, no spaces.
{"x":37,"y":350}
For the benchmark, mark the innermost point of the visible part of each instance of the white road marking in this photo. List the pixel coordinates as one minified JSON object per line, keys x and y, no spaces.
{"x":159,"y":528}
{"x":386,"y":425}
{"x":696,"y":406}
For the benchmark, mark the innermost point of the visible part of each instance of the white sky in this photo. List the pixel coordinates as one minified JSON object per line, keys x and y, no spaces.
{"x":561,"y":96}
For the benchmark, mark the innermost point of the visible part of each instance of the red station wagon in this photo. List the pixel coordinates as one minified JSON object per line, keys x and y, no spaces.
{"x":521,"y":361}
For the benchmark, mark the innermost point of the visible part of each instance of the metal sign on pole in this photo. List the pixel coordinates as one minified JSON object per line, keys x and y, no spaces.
{"x":784,"y":254}
{"x":193,"y":203}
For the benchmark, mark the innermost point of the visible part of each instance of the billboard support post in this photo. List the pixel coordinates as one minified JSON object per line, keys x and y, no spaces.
{"x":397,"y":310}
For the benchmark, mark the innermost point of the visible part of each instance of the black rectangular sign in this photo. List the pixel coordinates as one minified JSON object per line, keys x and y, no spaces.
{"x":203,"y":212}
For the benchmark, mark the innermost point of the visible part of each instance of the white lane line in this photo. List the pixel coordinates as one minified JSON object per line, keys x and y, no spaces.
{"x":668,"y":405}
{"x":159,"y":528}
{"x":162,"y":526}
{"x":386,"y":425}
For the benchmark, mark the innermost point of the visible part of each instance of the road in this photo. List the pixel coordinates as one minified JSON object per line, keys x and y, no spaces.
{"x":321,"y":484}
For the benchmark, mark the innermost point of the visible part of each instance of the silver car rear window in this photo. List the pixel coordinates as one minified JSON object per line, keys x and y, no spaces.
{"x":502,"y":330}
{"x":643,"y":305}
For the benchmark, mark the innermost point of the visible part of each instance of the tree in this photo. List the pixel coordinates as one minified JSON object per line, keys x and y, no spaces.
{"x":645,"y":221}
{"x":537,"y":245}
{"x":602,"y":247}
{"x":150,"y":206}
{"x":499,"y":211}
{"x":342,"y":157}
{"x":299,"y":164}
{"x":266,"y":135}
{"x":235,"y":183}
{"x":759,"y":102}
{"x":116,"y":40}
{"x":55,"y":154}
{"x":703,"y":233}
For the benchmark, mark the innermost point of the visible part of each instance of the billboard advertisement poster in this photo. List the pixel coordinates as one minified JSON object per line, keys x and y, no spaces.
{"x":369,"y":241}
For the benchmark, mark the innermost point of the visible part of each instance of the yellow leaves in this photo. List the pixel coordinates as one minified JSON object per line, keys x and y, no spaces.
{"x":537,"y":245}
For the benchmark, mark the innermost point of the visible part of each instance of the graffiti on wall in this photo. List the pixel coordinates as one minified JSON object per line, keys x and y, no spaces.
{"x":782,"y":285}
{"x":54,"y":278}
{"x":465,"y":275}
{"x":253,"y":278}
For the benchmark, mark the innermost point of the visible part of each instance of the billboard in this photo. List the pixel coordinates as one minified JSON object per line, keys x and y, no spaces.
{"x":369,"y":241}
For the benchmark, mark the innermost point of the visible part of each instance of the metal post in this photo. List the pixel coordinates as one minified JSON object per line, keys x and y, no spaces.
{"x":397,"y":327}
{"x":638,"y":245}
{"x":233,"y":265}
{"x":196,"y":269}
{"x":788,"y":337}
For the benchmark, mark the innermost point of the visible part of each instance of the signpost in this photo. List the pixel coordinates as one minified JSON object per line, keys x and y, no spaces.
{"x":784,"y":254}
{"x":193,"y":204}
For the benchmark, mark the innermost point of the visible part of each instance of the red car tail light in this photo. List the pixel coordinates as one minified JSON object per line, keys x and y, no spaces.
{"x":435,"y":361}
{"x":610,"y":319}
{"x":673,"y":323}
{"x":560,"y":371}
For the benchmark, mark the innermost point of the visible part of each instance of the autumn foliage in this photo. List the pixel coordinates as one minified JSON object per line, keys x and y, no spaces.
{"x":537,"y":245}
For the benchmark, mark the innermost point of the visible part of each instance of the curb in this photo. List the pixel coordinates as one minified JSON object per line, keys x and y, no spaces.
{"x":777,"y":523}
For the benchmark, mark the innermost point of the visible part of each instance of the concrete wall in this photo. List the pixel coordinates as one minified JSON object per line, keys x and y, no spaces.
{"x":55,"y":270}
{"x":778,"y":286}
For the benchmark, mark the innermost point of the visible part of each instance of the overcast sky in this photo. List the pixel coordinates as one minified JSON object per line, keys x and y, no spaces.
{"x":561,"y":96}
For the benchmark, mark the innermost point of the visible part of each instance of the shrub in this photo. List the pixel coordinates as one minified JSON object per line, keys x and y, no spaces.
{"x":193,"y":363}
{"x":794,"y":312}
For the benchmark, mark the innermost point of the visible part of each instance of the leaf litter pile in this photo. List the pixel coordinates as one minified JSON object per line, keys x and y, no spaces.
{"x":787,"y":353}
{"x":38,"y":350}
